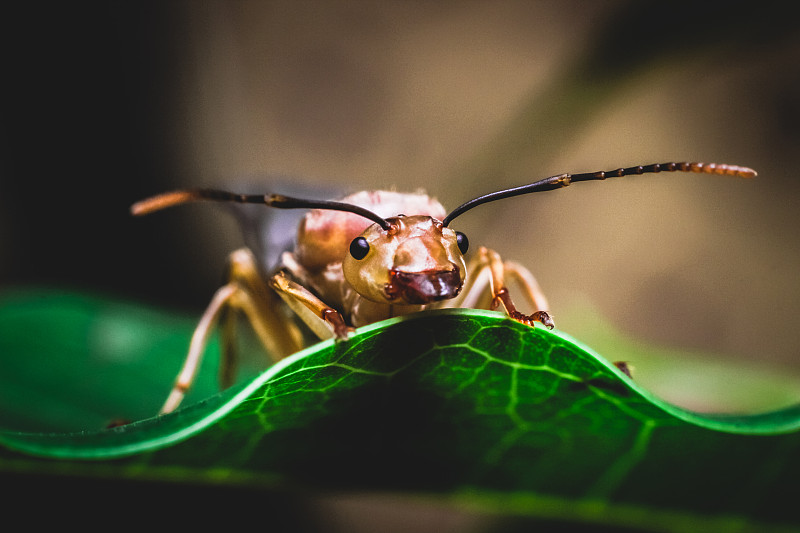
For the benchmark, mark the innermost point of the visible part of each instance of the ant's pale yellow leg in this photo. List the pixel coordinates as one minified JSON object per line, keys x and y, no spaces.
{"x":528,"y":283}
{"x":488,"y":271}
{"x":500,"y":292}
{"x":196,"y":348}
{"x":229,"y":359}
{"x":323,"y":320}
{"x":279,"y":335}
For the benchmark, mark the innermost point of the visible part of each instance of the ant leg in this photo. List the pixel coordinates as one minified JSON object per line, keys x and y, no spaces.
{"x":196,"y":348}
{"x":528,"y":283}
{"x":229,"y":359}
{"x":485,"y":288}
{"x":279,"y":335}
{"x":246,"y":292}
{"x":323,"y":320}
{"x":500,"y":292}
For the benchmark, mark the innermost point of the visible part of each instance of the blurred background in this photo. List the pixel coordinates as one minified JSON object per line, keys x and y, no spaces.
{"x":105,"y":103}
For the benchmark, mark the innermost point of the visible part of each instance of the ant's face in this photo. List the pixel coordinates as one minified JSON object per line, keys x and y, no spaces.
{"x":417,"y":261}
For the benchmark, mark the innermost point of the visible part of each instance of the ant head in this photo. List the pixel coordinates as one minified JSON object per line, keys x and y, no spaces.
{"x":416,"y":261}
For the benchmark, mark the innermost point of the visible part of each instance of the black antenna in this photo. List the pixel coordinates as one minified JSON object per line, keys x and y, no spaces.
{"x":562,"y":180}
{"x":169,"y":199}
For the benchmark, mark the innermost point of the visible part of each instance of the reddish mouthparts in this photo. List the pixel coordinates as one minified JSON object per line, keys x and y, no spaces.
{"x":423,"y":287}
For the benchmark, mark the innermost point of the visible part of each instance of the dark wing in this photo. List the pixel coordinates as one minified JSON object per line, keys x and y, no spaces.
{"x":269,"y":232}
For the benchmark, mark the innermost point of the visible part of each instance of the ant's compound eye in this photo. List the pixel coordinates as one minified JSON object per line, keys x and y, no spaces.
{"x":359,"y":248}
{"x":462,"y":241}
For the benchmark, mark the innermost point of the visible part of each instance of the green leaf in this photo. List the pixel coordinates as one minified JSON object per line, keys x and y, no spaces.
{"x":463,"y":405}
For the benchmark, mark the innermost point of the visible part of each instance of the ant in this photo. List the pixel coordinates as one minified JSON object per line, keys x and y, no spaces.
{"x":370,"y":256}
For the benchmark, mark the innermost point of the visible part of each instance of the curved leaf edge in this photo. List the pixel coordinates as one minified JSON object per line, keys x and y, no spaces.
{"x":201,"y":415}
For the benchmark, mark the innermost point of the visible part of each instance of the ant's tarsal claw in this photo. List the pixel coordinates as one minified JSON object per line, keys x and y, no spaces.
{"x":340,"y":329}
{"x":544,"y":318}
{"x":342,"y":334}
{"x":539,"y":316}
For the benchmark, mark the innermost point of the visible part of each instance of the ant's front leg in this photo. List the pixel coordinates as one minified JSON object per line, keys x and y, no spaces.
{"x":323,"y":320}
{"x":538,"y":316}
{"x":489,"y":269}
